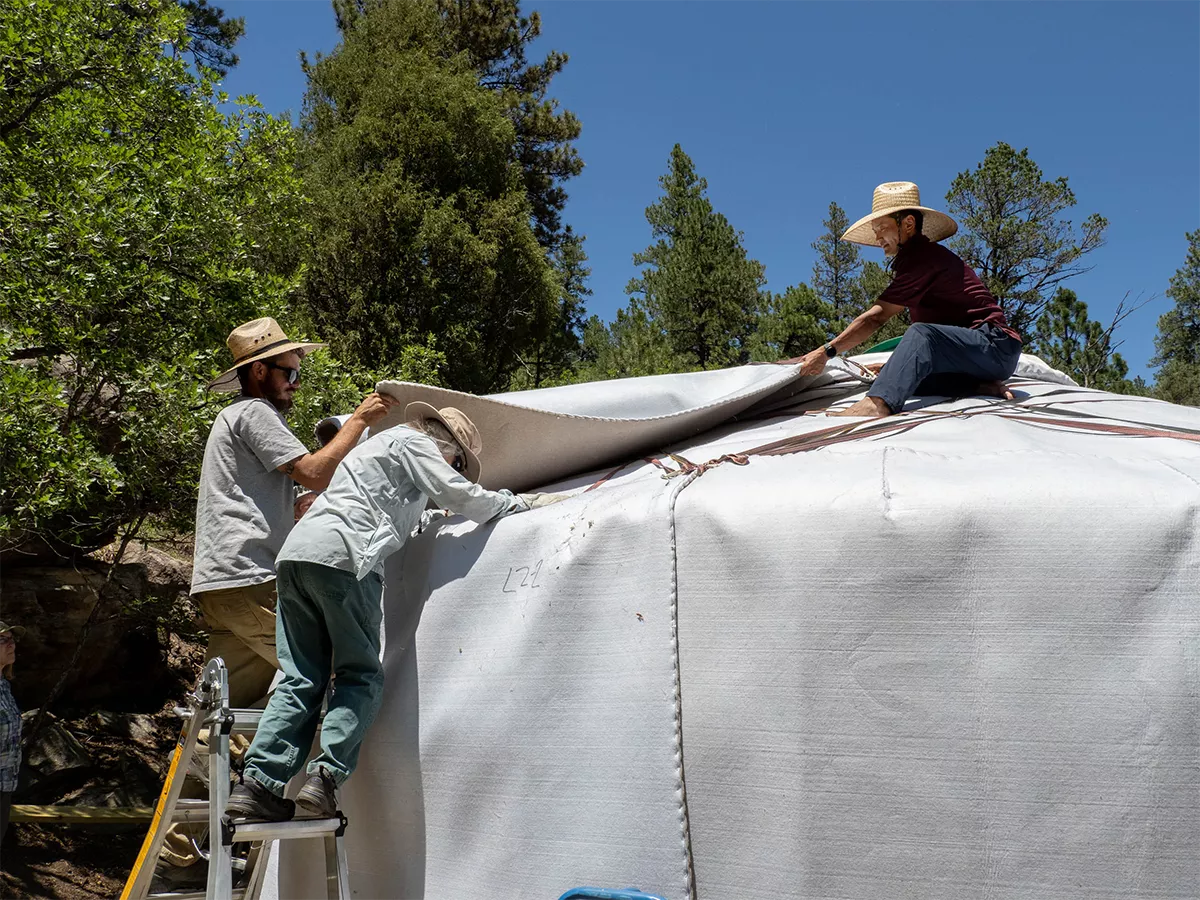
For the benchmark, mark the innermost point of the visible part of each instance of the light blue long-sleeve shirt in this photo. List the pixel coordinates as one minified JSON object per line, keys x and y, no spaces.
{"x":375,"y":500}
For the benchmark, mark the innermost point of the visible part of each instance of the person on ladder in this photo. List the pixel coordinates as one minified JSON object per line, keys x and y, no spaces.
{"x":330,"y":602}
{"x":243,"y":514}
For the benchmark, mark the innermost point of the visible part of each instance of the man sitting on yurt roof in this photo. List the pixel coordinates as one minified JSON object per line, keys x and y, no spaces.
{"x":959,"y":342}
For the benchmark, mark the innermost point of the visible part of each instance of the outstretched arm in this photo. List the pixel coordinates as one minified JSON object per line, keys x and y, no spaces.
{"x":865,"y":325}
{"x":314,"y":470}
{"x":423,"y":463}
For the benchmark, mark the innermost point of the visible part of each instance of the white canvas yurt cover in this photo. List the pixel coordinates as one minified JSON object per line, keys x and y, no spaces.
{"x":764,"y":653}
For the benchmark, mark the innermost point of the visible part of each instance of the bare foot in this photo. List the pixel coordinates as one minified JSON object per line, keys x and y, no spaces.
{"x":995,"y":389}
{"x":867,"y":407}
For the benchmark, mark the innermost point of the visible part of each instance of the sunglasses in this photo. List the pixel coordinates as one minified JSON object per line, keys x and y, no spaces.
{"x":293,"y":375}
{"x":7,"y":639}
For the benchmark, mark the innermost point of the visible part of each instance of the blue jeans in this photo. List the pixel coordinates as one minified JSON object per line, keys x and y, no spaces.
{"x":945,"y":360}
{"x":326,"y":620}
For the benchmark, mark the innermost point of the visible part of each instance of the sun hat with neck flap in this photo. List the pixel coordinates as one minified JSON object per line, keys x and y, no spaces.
{"x":254,"y":341}
{"x":457,"y":423}
{"x":892,"y":197}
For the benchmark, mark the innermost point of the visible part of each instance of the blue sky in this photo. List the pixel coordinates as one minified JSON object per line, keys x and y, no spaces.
{"x":787,"y":106}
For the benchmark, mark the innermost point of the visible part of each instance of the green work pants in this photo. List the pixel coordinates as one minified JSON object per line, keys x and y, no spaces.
{"x":327,"y":620}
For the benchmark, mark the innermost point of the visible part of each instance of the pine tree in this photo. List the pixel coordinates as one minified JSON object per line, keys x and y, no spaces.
{"x":211,"y":35}
{"x":790,"y":324}
{"x":424,"y":235}
{"x":837,"y":272}
{"x":699,"y":287}
{"x":1069,"y":340}
{"x":874,"y":280}
{"x":495,"y":36}
{"x":1177,"y":345}
{"x":559,"y":330}
{"x":632,"y":346}
{"x":1013,"y":234}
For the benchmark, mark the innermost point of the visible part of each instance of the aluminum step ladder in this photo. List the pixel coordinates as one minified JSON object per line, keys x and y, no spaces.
{"x":208,"y":707}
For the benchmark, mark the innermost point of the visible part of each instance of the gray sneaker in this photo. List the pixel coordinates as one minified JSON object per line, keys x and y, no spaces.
{"x":252,"y":801}
{"x":317,"y":799}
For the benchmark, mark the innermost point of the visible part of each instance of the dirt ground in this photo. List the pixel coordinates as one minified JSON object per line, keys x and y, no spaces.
{"x":60,"y":863}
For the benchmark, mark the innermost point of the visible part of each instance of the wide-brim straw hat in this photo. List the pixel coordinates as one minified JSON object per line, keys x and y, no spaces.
{"x":892,"y":197}
{"x":18,"y":631}
{"x":260,"y":339}
{"x":459,"y":425}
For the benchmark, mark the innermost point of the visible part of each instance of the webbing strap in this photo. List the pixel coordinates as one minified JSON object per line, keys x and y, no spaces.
{"x":1048,"y":417}
{"x":687,"y":467}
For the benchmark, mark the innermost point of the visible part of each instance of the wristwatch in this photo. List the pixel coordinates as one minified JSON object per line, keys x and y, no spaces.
{"x":830,"y":350}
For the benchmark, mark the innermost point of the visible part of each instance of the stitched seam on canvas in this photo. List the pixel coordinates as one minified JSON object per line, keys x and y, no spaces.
{"x":684,"y":823}
{"x":1179,"y":472}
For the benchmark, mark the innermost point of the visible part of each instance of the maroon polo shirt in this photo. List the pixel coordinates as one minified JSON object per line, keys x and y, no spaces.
{"x":941,"y":289}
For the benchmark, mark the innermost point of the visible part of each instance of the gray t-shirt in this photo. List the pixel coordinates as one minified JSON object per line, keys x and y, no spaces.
{"x":245,"y":507}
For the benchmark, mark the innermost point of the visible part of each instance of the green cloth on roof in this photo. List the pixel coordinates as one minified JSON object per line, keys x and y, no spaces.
{"x":889,"y":344}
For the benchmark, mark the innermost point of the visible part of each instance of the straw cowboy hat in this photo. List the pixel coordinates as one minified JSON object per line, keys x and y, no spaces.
{"x":17,"y":631}
{"x":460,"y":426}
{"x":891,"y":197}
{"x":260,"y":339}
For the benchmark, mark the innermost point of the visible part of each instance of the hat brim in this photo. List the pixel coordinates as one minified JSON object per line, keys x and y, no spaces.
{"x":419,"y":409}
{"x":228,"y":380}
{"x":18,"y":631}
{"x":937,"y":226}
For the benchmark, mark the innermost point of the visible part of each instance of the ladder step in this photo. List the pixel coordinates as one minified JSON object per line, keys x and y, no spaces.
{"x":190,"y":811}
{"x":245,"y":721}
{"x":280,"y":831}
{"x":208,"y":711}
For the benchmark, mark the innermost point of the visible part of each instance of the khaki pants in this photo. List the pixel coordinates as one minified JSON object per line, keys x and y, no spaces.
{"x":242,"y":632}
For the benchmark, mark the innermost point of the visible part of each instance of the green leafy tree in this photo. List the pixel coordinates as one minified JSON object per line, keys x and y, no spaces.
{"x":496,"y":37}
{"x":1177,"y":344}
{"x":51,"y":51}
{"x":837,"y":272}
{"x":699,"y":287}
{"x":421,"y":221}
{"x":128,"y":240}
{"x":1014,"y":234}
{"x":1068,"y":339}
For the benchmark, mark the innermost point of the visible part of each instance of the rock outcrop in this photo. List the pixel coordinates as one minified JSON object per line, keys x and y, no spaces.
{"x":123,"y":665}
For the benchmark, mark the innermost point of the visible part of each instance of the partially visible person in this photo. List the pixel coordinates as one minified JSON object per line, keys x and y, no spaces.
{"x":960,"y":342}
{"x":330,"y":601}
{"x":304,"y":502}
{"x":10,"y":723}
{"x":327,"y":429}
{"x":323,"y":432}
